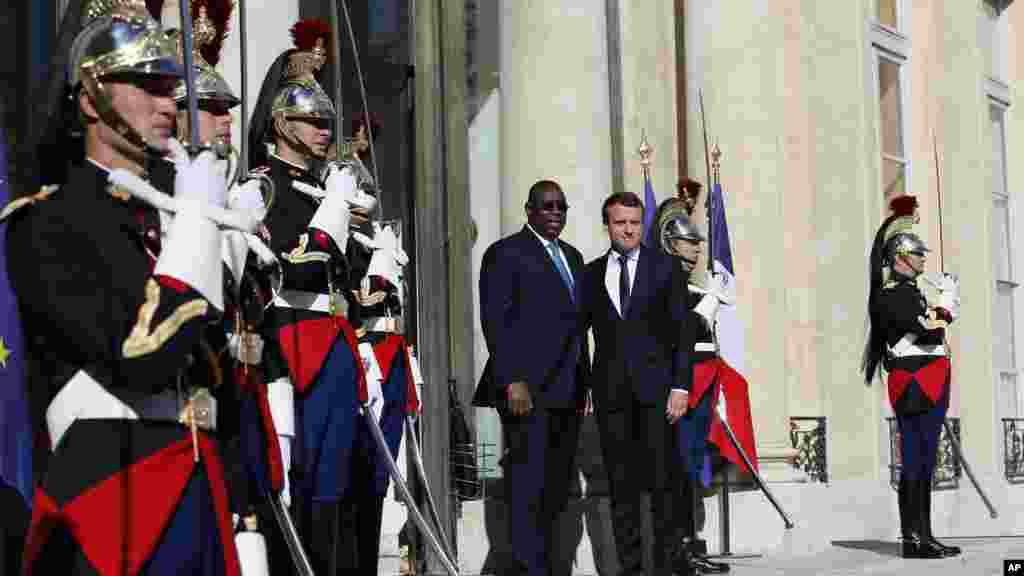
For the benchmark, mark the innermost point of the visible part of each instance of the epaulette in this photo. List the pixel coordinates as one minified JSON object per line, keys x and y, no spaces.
{"x":17,"y":204}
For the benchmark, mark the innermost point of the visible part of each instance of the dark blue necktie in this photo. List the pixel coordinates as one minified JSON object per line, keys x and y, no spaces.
{"x":562,"y":271}
{"x":623,"y":285}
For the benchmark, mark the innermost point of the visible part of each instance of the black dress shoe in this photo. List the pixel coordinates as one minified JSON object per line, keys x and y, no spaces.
{"x":915,"y":547}
{"x":947,"y":551}
{"x":705,"y":565}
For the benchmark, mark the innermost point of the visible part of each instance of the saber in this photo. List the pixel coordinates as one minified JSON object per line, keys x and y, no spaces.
{"x":942,"y":266}
{"x":190,"y":73}
{"x":291,"y":535}
{"x":750,"y":466}
{"x":403,"y":491}
{"x":410,"y":431}
{"x":336,"y":57}
{"x":139,"y":188}
{"x":707,"y":193}
{"x":967,"y":467}
{"x":243,"y":44}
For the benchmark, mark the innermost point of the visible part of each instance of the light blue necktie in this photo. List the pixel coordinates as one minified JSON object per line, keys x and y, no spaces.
{"x":553,"y":251}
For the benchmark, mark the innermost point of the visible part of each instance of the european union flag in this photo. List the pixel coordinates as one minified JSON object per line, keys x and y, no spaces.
{"x":15,"y":429}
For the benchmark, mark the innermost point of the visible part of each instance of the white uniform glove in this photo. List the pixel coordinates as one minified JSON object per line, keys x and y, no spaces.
{"x":340,"y":178}
{"x":389,"y":258}
{"x":949,"y":295}
{"x":333,"y":217}
{"x":247,"y":198}
{"x":193,"y":250}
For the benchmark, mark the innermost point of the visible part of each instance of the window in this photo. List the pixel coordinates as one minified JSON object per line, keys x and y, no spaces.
{"x":888,"y":59}
{"x":890,"y":121}
{"x":1004,"y":361}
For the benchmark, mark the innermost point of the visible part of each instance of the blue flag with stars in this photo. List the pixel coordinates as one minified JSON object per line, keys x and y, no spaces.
{"x":15,"y":429}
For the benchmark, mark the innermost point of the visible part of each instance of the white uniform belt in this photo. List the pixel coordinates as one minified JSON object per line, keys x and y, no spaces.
{"x":83,"y":397}
{"x":312,"y":301}
{"x":389,"y":324}
{"x":704,"y":347}
{"x":907,"y":347}
{"x":86,"y":399}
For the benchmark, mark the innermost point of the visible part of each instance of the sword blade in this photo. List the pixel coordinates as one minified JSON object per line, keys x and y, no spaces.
{"x":403,"y":490}
{"x":190,"y":73}
{"x":753,"y":471}
{"x":243,"y":45}
{"x":291,"y":536}
{"x":970,"y":474}
{"x":422,"y":472}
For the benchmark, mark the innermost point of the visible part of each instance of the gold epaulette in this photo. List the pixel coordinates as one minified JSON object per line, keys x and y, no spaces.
{"x":19,"y":203}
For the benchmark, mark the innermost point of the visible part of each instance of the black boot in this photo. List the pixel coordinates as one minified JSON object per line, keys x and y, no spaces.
{"x":705,"y":565}
{"x":682,"y":564}
{"x":925,"y":496}
{"x":913,"y":545}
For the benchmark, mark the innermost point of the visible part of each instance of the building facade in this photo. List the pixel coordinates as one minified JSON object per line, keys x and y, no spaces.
{"x":822,"y":111}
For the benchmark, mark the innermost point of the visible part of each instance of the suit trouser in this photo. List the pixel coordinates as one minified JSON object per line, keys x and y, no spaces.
{"x":537,"y":466}
{"x":638,"y":445}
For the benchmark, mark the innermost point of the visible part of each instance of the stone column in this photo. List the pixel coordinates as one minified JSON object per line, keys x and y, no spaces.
{"x":554,"y":118}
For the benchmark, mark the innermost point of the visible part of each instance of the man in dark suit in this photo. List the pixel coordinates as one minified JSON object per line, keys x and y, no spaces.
{"x":537,"y":370}
{"x":632,"y":299}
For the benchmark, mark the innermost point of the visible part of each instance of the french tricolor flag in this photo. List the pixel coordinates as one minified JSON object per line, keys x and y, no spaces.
{"x":730,"y":330}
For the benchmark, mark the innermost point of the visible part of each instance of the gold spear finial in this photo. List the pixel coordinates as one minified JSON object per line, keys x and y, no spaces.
{"x":645,"y":150}
{"x":716,"y":160}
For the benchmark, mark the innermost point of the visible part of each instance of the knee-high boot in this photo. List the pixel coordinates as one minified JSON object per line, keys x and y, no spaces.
{"x":925,"y":496}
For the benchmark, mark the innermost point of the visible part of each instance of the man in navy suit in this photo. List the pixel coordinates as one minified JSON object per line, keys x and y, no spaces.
{"x":536,"y":373}
{"x":639,"y":382}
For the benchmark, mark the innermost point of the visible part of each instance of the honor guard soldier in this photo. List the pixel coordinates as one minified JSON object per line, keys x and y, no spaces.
{"x":254,"y":453}
{"x":319,"y":370}
{"x":907,"y":339}
{"x":699,"y":431}
{"x":119,"y":313}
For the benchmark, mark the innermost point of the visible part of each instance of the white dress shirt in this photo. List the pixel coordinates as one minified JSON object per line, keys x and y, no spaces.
{"x":558,"y":250}
{"x":612,"y":272}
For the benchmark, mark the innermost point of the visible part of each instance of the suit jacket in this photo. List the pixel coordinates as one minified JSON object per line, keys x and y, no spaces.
{"x":531,"y":323}
{"x":638,"y":357}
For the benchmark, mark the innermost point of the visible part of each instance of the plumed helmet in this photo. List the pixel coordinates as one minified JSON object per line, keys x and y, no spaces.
{"x":119,"y":38}
{"x":209,"y":26}
{"x":302,"y":96}
{"x":673,"y":222}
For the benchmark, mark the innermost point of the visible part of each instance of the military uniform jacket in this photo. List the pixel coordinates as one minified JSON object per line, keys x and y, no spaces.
{"x":919,"y":369}
{"x":94,"y":314}
{"x":314,"y":267}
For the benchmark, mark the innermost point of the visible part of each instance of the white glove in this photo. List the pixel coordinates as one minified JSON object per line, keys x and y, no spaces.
{"x":248,"y":197}
{"x":333,"y":218}
{"x":309,"y":190}
{"x":341,"y":180}
{"x":948,"y":287}
{"x":716,"y":286}
{"x":263,"y":252}
{"x":389,"y":258}
{"x":707,"y":308}
{"x":234,"y":249}
{"x":193,"y":250}
{"x":949,"y":295}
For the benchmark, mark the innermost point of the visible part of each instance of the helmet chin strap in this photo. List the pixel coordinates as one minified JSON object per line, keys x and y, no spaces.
{"x":284,"y":127}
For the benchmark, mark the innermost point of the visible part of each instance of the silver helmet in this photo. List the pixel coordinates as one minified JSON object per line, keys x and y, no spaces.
{"x":206,"y":35}
{"x":673,"y":223}
{"x":902,"y":244}
{"x":119,"y":37}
